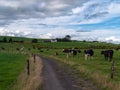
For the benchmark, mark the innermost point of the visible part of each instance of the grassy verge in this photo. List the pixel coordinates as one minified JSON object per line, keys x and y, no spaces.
{"x":33,"y":81}
{"x":11,"y":66}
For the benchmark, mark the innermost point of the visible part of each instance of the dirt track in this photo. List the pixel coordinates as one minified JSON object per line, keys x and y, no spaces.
{"x":56,"y":79}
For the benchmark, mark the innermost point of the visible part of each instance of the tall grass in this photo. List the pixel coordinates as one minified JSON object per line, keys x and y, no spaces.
{"x":34,"y":81}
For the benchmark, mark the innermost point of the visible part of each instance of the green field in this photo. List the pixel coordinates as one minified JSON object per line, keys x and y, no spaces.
{"x":12,"y":61}
{"x":96,"y":69}
{"x":11,"y":66}
{"x":79,"y":44}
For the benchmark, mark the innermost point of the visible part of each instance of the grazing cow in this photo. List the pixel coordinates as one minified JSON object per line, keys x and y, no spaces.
{"x":2,"y":48}
{"x":118,"y":49}
{"x":56,"y":53}
{"x":73,"y":51}
{"x":88,"y":52}
{"x":21,"y":49}
{"x":17,"y":49}
{"x":108,"y":54}
{"x":29,"y":49}
{"x":66,"y":50}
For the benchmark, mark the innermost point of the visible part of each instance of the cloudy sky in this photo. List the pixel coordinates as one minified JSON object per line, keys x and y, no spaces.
{"x":82,"y":19}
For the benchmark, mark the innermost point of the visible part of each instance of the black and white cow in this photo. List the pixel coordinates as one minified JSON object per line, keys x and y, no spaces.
{"x":73,"y":51}
{"x":66,"y":50}
{"x":88,"y":52}
{"x":108,"y":54}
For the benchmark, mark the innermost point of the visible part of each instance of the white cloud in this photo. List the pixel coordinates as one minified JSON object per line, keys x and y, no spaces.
{"x":114,"y":8}
{"x":78,"y":10}
{"x":112,"y":38}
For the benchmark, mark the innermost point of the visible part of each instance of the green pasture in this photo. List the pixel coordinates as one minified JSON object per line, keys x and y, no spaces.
{"x":11,"y":65}
{"x":78,"y":44}
{"x":12,"y":47}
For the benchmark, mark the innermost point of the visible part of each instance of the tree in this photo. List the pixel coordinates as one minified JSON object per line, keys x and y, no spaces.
{"x":34,"y":41}
{"x":4,"y":39}
{"x":67,"y":38}
{"x":10,"y":40}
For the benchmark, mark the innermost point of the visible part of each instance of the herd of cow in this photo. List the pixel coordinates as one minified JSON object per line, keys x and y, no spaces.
{"x":108,"y":54}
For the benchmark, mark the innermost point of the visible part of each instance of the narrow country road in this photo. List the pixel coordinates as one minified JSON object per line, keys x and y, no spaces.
{"x":51,"y":81}
{"x":54,"y":78}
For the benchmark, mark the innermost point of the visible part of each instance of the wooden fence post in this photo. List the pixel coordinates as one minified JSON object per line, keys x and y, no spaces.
{"x":112,"y":69}
{"x":67,"y":58}
{"x":34,"y":56}
{"x":28,"y":67}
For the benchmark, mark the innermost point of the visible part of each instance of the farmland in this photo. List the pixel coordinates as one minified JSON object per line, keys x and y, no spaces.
{"x":96,"y":69}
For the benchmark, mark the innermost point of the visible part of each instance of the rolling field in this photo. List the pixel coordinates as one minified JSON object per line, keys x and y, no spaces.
{"x":11,"y":66}
{"x":96,"y":69}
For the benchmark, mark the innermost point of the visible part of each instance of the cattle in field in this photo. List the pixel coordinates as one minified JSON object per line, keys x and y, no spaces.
{"x":72,"y":51}
{"x":118,"y":49}
{"x":88,"y":53}
{"x":66,"y":50}
{"x":108,"y":54}
{"x":17,"y":49}
{"x":2,"y":48}
{"x":56,"y":53}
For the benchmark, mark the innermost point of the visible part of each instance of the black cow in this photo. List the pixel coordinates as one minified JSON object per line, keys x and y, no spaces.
{"x":17,"y":49}
{"x":88,"y":52}
{"x":74,"y":52}
{"x":108,"y":54}
{"x":2,"y":48}
{"x":56,"y":53}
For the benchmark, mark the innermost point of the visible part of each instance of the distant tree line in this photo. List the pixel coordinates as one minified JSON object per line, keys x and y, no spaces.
{"x":10,"y":40}
{"x":34,"y":40}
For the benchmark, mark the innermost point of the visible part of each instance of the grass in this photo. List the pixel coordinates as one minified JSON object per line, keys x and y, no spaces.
{"x":11,"y":66}
{"x":78,"y":44}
